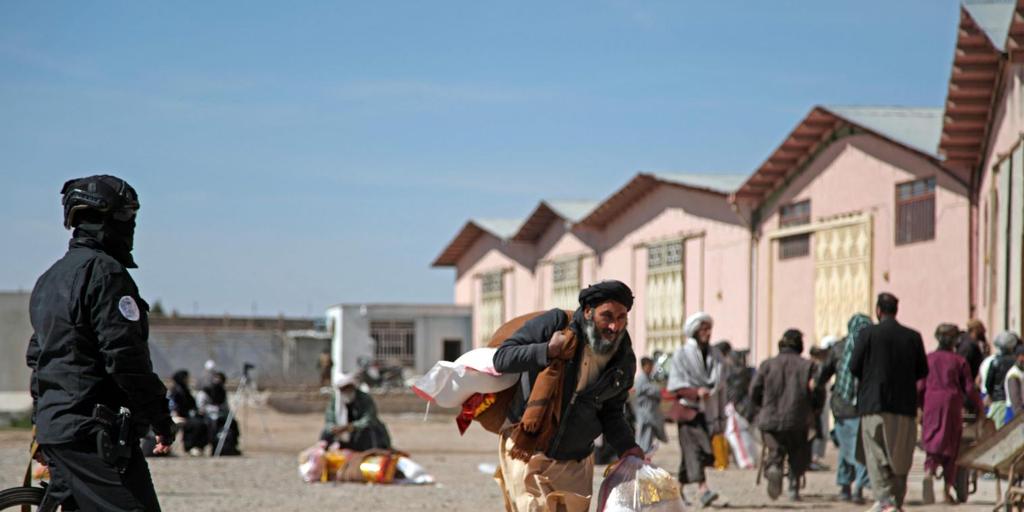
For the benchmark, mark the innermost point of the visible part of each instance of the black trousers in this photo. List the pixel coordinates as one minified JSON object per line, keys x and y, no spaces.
{"x":788,"y":444}
{"x":81,"y":480}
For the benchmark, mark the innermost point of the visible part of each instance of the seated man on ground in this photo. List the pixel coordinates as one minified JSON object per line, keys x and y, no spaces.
{"x":185,"y":414}
{"x":351,"y":419}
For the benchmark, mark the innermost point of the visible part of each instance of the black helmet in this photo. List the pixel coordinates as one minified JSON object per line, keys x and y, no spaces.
{"x":108,"y":195}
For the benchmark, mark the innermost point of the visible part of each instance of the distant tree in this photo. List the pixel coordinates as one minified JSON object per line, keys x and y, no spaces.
{"x":157,"y":309}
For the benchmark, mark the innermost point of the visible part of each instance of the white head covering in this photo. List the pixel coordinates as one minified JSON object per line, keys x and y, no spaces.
{"x":341,"y":380}
{"x":827,"y":342}
{"x":689,"y":367}
{"x":209,"y":365}
{"x":693,"y":323}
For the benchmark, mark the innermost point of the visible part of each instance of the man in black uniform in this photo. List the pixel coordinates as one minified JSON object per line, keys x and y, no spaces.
{"x":90,"y":358}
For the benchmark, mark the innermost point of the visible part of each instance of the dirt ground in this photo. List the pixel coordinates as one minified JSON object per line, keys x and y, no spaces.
{"x":266,"y":477}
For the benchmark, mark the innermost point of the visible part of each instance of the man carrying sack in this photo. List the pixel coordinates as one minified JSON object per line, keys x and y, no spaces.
{"x":576,"y":376}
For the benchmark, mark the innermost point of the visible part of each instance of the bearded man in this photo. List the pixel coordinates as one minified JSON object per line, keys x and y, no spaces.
{"x":576,"y":376}
{"x":693,"y":381}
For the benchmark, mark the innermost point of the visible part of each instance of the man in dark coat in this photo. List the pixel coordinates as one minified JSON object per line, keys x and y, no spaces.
{"x":971,"y":344}
{"x":782,"y":390}
{"x":888,"y":359}
{"x":595,"y":387}
{"x":89,"y":356}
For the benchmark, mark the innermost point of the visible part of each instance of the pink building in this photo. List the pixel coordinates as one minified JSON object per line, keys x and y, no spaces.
{"x":856,"y":201}
{"x":924,"y":203}
{"x":981,"y":140}
{"x":673,"y":237}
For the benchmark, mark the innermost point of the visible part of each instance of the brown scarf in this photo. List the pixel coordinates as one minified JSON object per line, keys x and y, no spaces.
{"x":539,"y":423}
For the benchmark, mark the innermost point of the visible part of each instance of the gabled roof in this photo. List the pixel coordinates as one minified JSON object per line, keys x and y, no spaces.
{"x":549,"y":211}
{"x":972,"y":85}
{"x":914,"y":128}
{"x":503,"y":229}
{"x":644,"y":183}
{"x":993,"y":17}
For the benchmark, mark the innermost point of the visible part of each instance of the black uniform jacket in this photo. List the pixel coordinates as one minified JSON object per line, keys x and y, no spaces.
{"x":597,"y":409}
{"x":888,"y":359}
{"x":90,"y":346}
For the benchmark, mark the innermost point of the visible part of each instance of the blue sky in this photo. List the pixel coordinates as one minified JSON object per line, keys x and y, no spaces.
{"x":294,"y":155}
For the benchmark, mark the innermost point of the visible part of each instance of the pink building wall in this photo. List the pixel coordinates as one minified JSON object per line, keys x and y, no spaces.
{"x":715,"y":235}
{"x":1005,"y":133}
{"x":859,"y":173}
{"x":489,"y":254}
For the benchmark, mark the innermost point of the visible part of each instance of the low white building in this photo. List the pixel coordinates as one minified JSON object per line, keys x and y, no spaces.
{"x":414,"y":336}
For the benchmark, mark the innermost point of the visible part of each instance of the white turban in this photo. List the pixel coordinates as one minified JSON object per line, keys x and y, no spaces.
{"x":828,"y":341}
{"x":693,"y":323}
{"x":341,"y":380}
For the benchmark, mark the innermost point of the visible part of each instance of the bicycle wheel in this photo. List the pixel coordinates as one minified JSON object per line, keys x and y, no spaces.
{"x":21,"y":498}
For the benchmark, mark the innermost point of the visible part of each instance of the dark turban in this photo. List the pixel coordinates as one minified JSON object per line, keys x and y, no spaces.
{"x":597,"y":294}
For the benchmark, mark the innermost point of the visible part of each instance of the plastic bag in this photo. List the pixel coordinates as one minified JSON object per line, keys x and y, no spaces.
{"x":632,"y":485}
{"x":311,"y":464}
{"x":741,"y":441}
{"x":449,"y":384}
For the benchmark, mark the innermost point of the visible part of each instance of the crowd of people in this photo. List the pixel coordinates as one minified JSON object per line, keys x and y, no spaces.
{"x":203,"y":418}
{"x":879,"y":385}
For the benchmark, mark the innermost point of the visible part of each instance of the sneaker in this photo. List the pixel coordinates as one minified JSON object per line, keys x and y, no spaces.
{"x":708,"y":498}
{"x":196,"y":451}
{"x":773,"y":475}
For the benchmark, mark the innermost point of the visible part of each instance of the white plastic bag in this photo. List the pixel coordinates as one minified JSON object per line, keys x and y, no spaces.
{"x":632,"y":485}
{"x":311,"y":464}
{"x":449,"y":384}
{"x":412,"y":473}
{"x":741,"y":441}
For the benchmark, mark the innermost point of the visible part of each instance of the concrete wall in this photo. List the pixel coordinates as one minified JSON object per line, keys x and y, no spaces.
{"x":15,"y":330}
{"x":280,"y":360}
{"x":859,"y":174}
{"x":433,"y":324}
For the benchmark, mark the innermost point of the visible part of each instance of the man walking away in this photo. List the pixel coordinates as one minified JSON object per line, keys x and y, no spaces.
{"x":995,"y":377}
{"x":782,"y":390}
{"x":650,"y":423}
{"x":888,"y":359}
{"x":851,"y":475}
{"x":970,"y":345}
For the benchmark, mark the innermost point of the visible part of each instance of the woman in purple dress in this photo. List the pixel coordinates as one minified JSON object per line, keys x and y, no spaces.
{"x":941,"y":396}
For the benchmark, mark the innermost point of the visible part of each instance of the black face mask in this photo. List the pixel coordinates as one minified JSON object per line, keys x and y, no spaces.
{"x":116,"y":237}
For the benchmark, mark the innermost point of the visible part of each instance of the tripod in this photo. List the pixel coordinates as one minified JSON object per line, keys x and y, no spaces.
{"x":243,"y":393}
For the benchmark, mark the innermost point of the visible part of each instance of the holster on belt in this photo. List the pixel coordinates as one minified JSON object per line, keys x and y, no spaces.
{"x":114,"y":438}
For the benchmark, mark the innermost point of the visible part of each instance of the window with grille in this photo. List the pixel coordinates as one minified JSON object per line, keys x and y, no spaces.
{"x":664,"y":296}
{"x":394,"y":342}
{"x":795,"y":214}
{"x":915,"y":211}
{"x":794,"y":246}
{"x":492,"y":304}
{"x":565,"y":286}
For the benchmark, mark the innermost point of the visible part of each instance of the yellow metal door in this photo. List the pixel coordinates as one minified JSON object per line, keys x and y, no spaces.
{"x":842,"y":276}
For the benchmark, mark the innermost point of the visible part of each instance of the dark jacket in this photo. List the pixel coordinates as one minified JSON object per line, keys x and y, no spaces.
{"x":90,"y":346}
{"x":888,"y":359}
{"x":995,"y":379}
{"x":841,"y":408}
{"x":781,"y":391}
{"x":969,"y":349}
{"x":598,"y":409}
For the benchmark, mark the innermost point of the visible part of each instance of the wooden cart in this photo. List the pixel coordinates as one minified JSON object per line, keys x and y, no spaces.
{"x":1001,"y":453}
